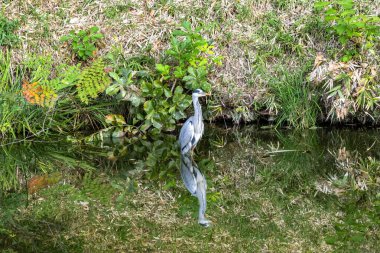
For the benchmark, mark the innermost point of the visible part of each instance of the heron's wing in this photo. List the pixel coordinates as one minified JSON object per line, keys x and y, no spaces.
{"x":186,"y":135}
{"x":187,"y":174}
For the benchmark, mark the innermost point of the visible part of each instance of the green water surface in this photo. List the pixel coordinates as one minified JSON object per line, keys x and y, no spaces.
{"x":268,"y":191}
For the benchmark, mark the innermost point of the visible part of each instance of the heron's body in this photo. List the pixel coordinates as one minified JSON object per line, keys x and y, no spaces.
{"x":192,"y":131}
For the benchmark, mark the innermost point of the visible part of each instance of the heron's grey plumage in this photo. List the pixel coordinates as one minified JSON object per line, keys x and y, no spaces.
{"x":192,"y":131}
{"x":186,"y":136}
{"x":190,"y":134}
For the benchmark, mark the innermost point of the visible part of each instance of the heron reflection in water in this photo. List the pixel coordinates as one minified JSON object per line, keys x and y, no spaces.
{"x":190,"y":134}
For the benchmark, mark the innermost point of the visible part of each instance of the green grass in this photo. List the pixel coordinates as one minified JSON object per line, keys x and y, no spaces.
{"x":296,"y":99}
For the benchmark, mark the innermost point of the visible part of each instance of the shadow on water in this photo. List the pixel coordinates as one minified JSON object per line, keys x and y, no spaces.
{"x":268,"y":185}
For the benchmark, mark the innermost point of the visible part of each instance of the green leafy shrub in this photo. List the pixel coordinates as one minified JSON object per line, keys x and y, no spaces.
{"x":355,"y":31}
{"x":7,"y":31}
{"x":192,"y":58}
{"x":92,"y":81}
{"x":158,"y":98}
{"x":84,"y":42}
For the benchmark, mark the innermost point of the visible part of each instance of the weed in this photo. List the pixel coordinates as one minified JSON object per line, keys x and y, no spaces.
{"x":9,"y":75}
{"x":297,"y":101}
{"x":348,"y":87}
{"x":7,"y":31}
{"x":113,"y":11}
{"x":38,"y":94}
{"x":84,"y":42}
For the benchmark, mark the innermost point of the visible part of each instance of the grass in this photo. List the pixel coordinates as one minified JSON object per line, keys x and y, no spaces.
{"x":296,"y":100}
{"x":255,"y":38}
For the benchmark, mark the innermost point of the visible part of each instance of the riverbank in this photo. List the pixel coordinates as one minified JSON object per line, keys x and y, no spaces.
{"x":277,"y":61}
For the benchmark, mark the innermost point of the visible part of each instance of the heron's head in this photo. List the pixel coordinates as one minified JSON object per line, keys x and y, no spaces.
{"x":199,"y":93}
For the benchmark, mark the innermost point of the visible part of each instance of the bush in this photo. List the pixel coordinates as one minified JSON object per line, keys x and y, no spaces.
{"x":355,"y":31}
{"x":157,"y":98}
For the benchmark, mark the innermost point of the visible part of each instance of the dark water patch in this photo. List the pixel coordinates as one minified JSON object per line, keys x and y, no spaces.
{"x":267,"y":189}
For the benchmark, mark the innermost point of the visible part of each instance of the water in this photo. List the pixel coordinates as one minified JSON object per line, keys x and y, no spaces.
{"x":311,"y":190}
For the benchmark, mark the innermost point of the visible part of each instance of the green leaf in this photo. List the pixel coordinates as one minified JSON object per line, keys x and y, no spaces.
{"x":156,"y":124}
{"x":148,"y":106}
{"x":320,"y":5}
{"x":97,"y":36}
{"x":163,"y":69}
{"x":346,"y":58}
{"x":146,"y":125}
{"x":179,"y":72}
{"x":206,"y":86}
{"x":191,"y":71}
{"x":178,"y":90}
{"x":112,"y":89}
{"x":94,"y":29}
{"x":135,"y":100}
{"x":331,"y":11}
{"x":167,"y":93}
{"x":340,"y":29}
{"x":65,"y":38}
{"x":186,"y":25}
{"x":114,"y":76}
{"x":115,"y":119}
{"x":178,"y":33}
{"x":330,"y":18}
{"x":347,"y":12}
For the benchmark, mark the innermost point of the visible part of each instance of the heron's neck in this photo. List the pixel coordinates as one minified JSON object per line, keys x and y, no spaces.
{"x":197,"y":110}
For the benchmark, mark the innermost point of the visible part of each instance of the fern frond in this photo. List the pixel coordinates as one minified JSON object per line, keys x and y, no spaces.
{"x":92,"y":81}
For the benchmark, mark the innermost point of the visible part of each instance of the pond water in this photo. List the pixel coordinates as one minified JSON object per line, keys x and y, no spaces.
{"x":268,"y":191}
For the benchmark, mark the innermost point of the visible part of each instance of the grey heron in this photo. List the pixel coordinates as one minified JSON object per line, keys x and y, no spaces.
{"x":192,"y":129}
